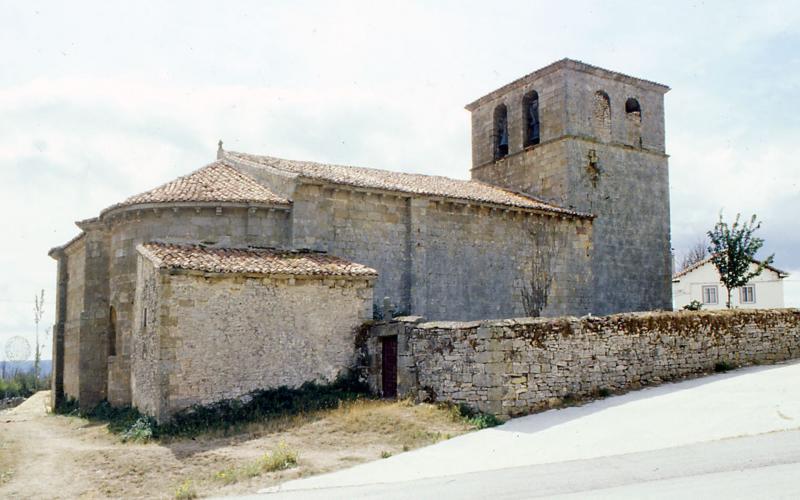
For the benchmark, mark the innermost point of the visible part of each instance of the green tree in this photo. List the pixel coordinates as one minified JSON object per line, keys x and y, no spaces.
{"x":733,"y":249}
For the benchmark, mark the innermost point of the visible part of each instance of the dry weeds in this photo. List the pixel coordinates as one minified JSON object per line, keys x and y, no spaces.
{"x":83,"y":460}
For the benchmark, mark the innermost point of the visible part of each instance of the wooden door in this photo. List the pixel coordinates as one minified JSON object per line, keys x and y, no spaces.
{"x":389,"y":366}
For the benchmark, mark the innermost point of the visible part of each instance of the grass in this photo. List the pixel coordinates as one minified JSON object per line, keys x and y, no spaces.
{"x":185,"y":491}
{"x":280,"y":458}
{"x":241,"y":458}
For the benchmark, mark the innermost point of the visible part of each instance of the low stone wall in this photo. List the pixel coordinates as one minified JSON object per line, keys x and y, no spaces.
{"x":518,"y":366}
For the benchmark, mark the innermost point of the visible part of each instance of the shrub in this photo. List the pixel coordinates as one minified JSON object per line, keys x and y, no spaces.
{"x":471,"y":416}
{"x":694,"y":305}
{"x":484,"y":420}
{"x":603,"y":392}
{"x":22,"y":384}
{"x":68,"y":406}
{"x":141,"y":431}
{"x":386,"y":454}
{"x":723,"y":366}
{"x":126,"y":421}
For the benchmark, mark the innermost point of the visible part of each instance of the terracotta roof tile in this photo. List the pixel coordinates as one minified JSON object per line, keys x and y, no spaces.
{"x":250,"y":260}
{"x":216,"y":182}
{"x":403,"y":182}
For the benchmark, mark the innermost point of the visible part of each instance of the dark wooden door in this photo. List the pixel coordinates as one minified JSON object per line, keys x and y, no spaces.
{"x":389,"y":366}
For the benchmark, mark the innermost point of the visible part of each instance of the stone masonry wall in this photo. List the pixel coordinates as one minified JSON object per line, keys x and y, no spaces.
{"x":221,"y":337}
{"x":226,"y":227}
{"x":146,"y":370}
{"x":368,"y":228}
{"x":476,"y":262}
{"x":95,"y":323}
{"x":76,"y":260}
{"x":517,"y":366}
{"x":447,"y":260}
{"x":627,"y":189}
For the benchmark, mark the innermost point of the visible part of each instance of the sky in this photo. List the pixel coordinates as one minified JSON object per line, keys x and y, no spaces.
{"x":102,"y":100}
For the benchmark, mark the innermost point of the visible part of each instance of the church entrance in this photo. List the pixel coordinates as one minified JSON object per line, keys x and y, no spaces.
{"x":389,"y":366}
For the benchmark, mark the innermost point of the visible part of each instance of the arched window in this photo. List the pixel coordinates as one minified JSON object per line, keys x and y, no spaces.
{"x":632,"y":108}
{"x":112,"y":332}
{"x":633,"y":115}
{"x":500,"y":131}
{"x":530,"y":108}
{"x":602,"y":115}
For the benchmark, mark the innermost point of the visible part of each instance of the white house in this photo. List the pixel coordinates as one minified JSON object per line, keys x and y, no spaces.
{"x":701,"y":282}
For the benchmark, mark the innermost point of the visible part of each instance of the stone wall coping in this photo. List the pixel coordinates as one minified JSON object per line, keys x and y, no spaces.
{"x":409,"y":319}
{"x":467,"y":325}
{"x":291,"y":278}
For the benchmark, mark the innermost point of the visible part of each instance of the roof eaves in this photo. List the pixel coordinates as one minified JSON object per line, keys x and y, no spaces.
{"x":121,"y":208}
{"x":53,"y":252}
{"x":546,"y":208}
{"x":152,"y":257}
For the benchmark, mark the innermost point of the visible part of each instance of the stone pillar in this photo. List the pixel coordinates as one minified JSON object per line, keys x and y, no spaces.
{"x":94,"y":323}
{"x":57,"y":377}
{"x":417,"y":236}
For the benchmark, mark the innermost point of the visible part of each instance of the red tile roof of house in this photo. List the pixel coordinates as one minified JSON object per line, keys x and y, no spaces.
{"x":250,"y":261}
{"x":418,"y":184}
{"x":215,"y":182}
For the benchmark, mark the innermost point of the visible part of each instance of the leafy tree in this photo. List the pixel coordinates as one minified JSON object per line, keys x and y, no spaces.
{"x":695,"y":254}
{"x":733,"y":249}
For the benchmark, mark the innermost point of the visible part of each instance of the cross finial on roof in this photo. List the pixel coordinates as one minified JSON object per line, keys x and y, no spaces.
{"x":220,"y":151}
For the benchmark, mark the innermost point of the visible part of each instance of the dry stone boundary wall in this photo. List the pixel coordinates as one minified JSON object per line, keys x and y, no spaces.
{"x":518,"y":366}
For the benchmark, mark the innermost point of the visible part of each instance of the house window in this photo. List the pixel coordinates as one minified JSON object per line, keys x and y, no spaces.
{"x":710,"y":295}
{"x":747,"y":294}
{"x":500,"y":132}
{"x":530,"y":107}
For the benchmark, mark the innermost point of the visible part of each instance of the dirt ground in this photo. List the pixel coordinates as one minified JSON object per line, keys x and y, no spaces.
{"x":51,"y":456}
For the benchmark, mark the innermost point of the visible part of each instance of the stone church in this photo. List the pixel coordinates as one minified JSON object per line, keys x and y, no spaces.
{"x":255,"y":271}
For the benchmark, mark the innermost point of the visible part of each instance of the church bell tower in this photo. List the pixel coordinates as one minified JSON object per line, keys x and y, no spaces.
{"x":591,"y":140}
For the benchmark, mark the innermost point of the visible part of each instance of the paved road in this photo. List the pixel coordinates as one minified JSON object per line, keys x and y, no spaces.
{"x":736,"y":434}
{"x":763,"y":466}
